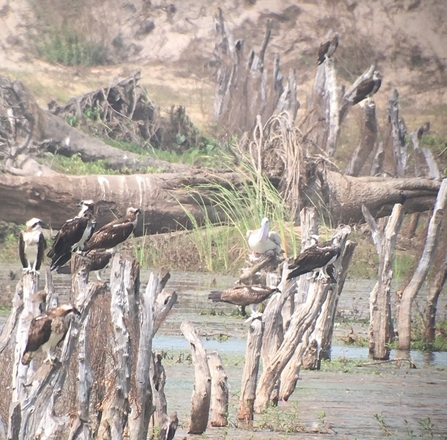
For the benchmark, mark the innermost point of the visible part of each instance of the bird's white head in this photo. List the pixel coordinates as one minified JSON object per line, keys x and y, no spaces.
{"x":376,"y":74}
{"x":34,"y":224}
{"x":134,"y":211}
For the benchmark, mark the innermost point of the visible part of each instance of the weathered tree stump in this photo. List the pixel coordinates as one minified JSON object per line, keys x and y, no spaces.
{"x":219,"y":391}
{"x":201,"y":397}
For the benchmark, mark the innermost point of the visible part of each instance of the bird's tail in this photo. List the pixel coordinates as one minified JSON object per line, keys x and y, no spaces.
{"x":60,"y":260}
{"x":296,"y":272}
{"x":26,"y":358}
{"x":215,"y":295}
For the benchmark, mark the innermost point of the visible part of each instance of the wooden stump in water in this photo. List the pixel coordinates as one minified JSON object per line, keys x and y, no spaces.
{"x":219,"y":391}
{"x":201,"y":396}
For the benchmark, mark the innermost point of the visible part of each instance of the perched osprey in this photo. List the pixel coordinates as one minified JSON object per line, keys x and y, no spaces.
{"x":367,"y":88}
{"x":316,"y":258}
{"x":71,"y":237}
{"x":262,"y":240}
{"x":327,"y":49}
{"x":242,"y":295}
{"x":32,"y":245}
{"x":115,"y":232}
{"x":98,"y":260}
{"x":47,"y":330}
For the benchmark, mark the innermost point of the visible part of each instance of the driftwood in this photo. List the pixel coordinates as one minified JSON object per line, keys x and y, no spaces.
{"x":411,"y":290}
{"x":201,"y":397}
{"x":219,"y":391}
{"x":250,"y":373}
{"x":381,"y":326}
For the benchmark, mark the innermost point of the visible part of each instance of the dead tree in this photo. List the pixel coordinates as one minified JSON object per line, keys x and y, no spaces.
{"x":201,"y":397}
{"x":219,"y":391}
{"x":411,"y":290}
{"x":250,"y":373}
{"x":381,"y":332}
{"x":242,"y":91}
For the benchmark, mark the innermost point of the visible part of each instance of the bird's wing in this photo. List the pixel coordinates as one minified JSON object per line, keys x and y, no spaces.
{"x":41,"y":251}
{"x":322,"y":51}
{"x":363,"y":90}
{"x":275,"y":237}
{"x":110,"y":237}
{"x":70,"y":233}
{"x":39,"y":332}
{"x":246,"y":295}
{"x":22,"y":250}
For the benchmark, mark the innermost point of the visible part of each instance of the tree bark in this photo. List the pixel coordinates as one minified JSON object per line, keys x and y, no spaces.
{"x":201,"y":397}
{"x":413,"y":287}
{"x":381,"y":327}
{"x":250,"y":373}
{"x":219,"y":391}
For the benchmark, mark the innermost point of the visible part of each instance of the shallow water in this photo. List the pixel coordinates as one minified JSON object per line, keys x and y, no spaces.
{"x":349,"y":398}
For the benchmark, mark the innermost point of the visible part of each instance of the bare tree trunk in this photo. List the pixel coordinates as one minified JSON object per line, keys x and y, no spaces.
{"x":398,"y":133}
{"x":432,"y":302}
{"x":116,"y":411}
{"x":251,"y":369}
{"x":411,"y":290}
{"x":201,"y":397}
{"x":219,"y":391}
{"x":380,"y":328}
{"x":367,"y":142}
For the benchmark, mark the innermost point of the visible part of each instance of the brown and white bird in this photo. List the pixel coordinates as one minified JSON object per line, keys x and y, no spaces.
{"x":367,"y":88}
{"x":243,"y":295}
{"x":98,"y":259}
{"x":263,"y":240}
{"x":316,"y":258}
{"x":47,"y":330}
{"x":32,"y":245}
{"x":73,"y":235}
{"x":327,"y":49}
{"x":115,"y":232}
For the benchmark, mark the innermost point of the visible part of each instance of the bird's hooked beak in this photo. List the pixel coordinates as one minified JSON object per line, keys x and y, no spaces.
{"x":76,"y":311}
{"x":263,"y":230}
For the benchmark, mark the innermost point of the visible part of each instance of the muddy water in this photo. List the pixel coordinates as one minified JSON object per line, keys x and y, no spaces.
{"x":344,"y":400}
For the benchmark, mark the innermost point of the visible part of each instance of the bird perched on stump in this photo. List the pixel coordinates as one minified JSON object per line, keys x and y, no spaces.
{"x":47,"y":330}
{"x":316,"y":258}
{"x":32,"y":245}
{"x":327,"y":49}
{"x":367,"y":88}
{"x":263,"y":240}
{"x":243,"y":295}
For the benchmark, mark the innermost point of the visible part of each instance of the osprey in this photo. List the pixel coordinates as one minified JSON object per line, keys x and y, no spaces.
{"x":262,"y":240}
{"x":367,"y":88}
{"x":47,"y":330}
{"x":327,"y":49}
{"x":115,"y":232}
{"x":316,"y":258}
{"x":98,"y":260}
{"x":72,"y":237}
{"x":32,"y":245}
{"x":242,"y":295}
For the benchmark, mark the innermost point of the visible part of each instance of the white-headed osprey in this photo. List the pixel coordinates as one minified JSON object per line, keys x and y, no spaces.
{"x":32,"y":245}
{"x":327,"y":49}
{"x":47,"y":330}
{"x":367,"y":88}
{"x":72,"y":235}
{"x":316,"y":258}
{"x":98,"y":259}
{"x":262,"y":240}
{"x":242,"y":295}
{"x":115,"y":232}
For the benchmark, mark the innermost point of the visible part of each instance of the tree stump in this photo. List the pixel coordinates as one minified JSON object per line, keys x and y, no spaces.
{"x":219,"y":391}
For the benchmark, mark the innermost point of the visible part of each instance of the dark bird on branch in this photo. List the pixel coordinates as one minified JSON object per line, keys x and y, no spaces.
{"x":98,"y":260}
{"x":367,"y":88}
{"x":423,"y":129}
{"x":327,"y":49}
{"x":316,"y":258}
{"x":242,"y":295}
{"x":114,"y":233}
{"x":73,"y":235}
{"x":47,"y":330}
{"x":32,"y":245}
